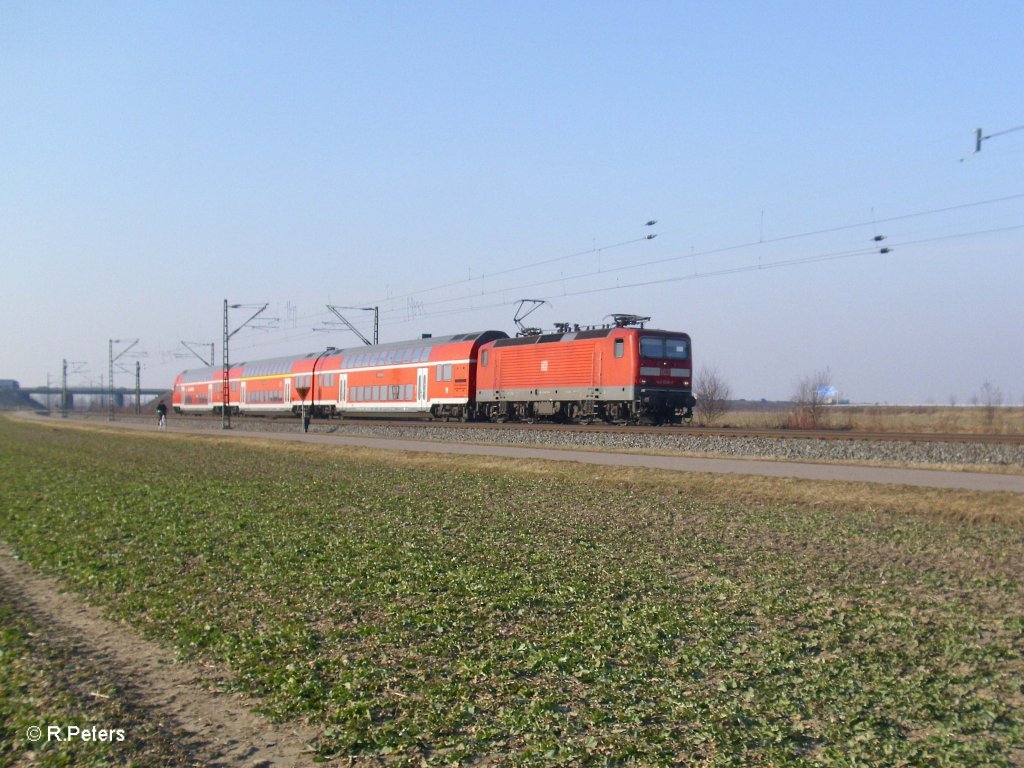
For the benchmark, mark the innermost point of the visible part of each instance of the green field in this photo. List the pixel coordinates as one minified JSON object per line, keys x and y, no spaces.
{"x":528,"y":615}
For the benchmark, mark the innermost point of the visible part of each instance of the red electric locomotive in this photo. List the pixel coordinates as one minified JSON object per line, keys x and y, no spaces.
{"x":613,"y":374}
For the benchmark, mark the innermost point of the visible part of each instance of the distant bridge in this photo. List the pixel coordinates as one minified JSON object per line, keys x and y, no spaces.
{"x":122,"y":391}
{"x":121,"y":395}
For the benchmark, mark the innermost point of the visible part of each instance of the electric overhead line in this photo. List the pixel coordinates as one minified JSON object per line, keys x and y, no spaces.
{"x":736,"y":270}
{"x":709,"y":252}
{"x":802,"y":260}
{"x":782,"y":238}
{"x":389,"y":314}
{"x":531,"y":265}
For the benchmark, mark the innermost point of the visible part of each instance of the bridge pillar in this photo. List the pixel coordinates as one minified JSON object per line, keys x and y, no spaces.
{"x":119,"y":399}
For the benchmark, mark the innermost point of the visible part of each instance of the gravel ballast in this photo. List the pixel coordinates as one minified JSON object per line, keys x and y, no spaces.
{"x":789,"y":449}
{"x":847,"y":449}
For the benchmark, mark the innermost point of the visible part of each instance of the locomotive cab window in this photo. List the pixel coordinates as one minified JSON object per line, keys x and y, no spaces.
{"x":661,"y":348}
{"x":620,"y":347}
{"x":677,"y":349}
{"x":484,"y":356}
{"x":652,"y":346}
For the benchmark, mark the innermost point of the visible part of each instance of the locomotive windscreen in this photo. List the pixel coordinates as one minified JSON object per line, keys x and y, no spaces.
{"x":664,"y":348}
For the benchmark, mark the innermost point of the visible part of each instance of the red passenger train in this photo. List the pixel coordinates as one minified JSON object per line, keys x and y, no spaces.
{"x":611,"y":374}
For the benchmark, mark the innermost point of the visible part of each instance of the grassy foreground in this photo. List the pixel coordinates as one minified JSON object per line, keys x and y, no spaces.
{"x":525,"y":615}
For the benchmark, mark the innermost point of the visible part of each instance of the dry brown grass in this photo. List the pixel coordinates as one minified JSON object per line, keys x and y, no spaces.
{"x":890,"y":418}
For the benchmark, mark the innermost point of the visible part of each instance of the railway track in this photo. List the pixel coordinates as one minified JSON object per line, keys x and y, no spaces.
{"x":681,"y":431}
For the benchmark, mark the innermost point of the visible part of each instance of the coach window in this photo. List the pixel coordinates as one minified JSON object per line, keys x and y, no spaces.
{"x":620,"y":347}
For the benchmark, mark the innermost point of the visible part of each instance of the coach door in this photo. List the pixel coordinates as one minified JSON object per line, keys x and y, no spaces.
{"x":342,"y":389}
{"x":287,"y":391}
{"x":421,"y":387}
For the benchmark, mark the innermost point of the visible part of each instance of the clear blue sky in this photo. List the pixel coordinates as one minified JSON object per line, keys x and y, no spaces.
{"x":160,"y":157}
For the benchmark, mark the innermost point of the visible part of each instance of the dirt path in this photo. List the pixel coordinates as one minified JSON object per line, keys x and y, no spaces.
{"x":217,"y":729}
